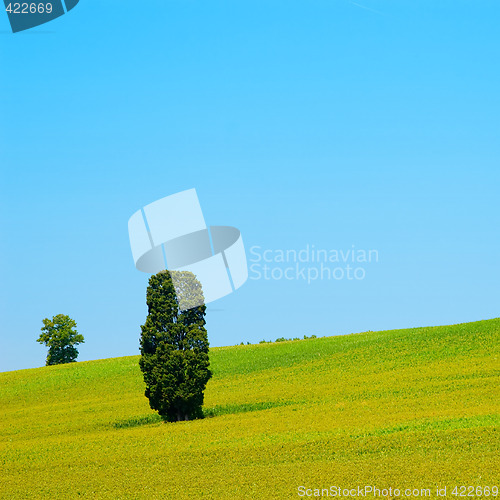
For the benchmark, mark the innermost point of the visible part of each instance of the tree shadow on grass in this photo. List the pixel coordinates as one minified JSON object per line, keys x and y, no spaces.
{"x":219,"y":410}
{"x":214,"y":411}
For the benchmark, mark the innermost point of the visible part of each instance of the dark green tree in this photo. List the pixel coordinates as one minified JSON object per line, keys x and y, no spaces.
{"x":174,"y":346}
{"x":60,"y":336}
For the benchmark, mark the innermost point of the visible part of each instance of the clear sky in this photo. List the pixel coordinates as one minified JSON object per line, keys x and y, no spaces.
{"x":333,"y":123}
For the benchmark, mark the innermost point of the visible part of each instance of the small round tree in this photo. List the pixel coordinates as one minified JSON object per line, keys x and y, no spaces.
{"x":174,"y":346}
{"x":60,"y":336}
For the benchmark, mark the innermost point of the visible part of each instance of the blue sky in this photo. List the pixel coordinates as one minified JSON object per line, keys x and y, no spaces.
{"x":326,"y":123}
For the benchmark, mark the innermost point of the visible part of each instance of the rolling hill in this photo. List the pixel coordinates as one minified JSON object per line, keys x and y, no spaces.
{"x":405,"y":409}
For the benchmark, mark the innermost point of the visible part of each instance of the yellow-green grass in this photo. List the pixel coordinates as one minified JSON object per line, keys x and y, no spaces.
{"x":414,"y":408}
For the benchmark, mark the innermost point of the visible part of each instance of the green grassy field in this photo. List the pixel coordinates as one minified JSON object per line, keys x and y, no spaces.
{"x":413,"y":408}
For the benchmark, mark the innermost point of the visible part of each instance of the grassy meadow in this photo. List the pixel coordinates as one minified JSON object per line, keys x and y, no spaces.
{"x":415,"y":408}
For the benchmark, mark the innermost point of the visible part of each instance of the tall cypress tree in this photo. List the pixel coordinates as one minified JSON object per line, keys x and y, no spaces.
{"x":174,"y":346}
